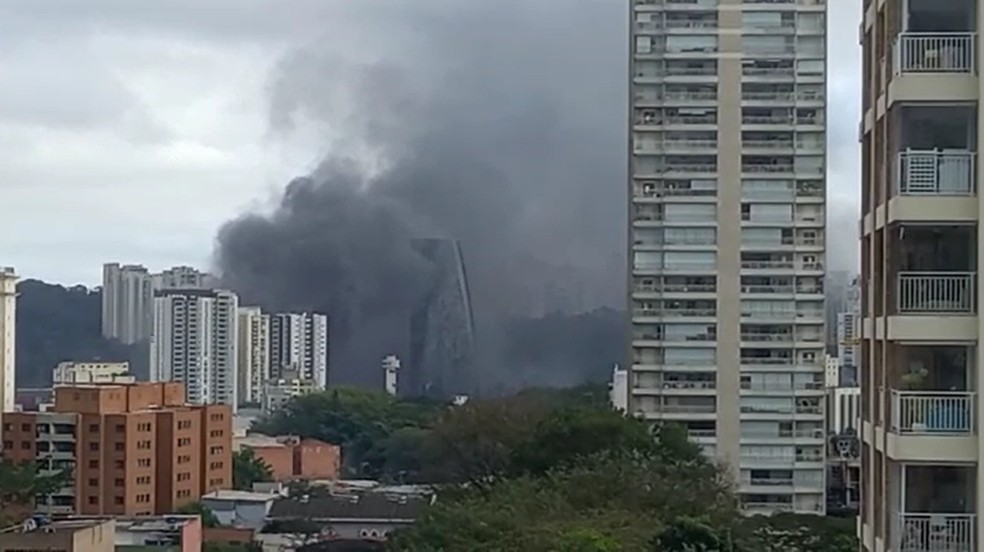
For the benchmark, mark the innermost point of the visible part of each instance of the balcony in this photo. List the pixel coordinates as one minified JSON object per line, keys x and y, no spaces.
{"x":936,"y":292}
{"x":936,"y":172}
{"x":933,"y":412}
{"x":936,"y":532}
{"x":934,"y":53}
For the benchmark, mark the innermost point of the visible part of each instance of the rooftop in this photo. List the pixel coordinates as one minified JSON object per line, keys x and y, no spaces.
{"x":351,"y":506}
{"x":60,"y":526}
{"x":240,"y":496}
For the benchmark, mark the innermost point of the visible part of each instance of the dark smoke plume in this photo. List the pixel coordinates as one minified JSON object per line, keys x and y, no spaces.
{"x":491,"y":125}
{"x":501,"y":124}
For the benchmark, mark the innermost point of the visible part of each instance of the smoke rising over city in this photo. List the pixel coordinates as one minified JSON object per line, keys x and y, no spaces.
{"x":498,"y":124}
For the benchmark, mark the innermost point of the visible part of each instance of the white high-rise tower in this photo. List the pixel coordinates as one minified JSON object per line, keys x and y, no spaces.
{"x":727,"y":238}
{"x":8,"y":338}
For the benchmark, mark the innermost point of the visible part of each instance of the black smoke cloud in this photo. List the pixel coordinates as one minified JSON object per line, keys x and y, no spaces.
{"x":501,"y":124}
{"x":497,"y":126}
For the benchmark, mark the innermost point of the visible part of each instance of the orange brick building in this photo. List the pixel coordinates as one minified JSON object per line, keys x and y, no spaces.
{"x":291,"y":458}
{"x":132,"y":449}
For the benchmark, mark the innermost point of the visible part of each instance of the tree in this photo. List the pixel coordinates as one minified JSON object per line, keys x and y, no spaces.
{"x":687,"y":534}
{"x":797,"y":533}
{"x":248,"y":469}
{"x":358,"y":420}
{"x":197,"y":508}
{"x":567,"y":434}
{"x":610,"y":501}
{"x":20,"y":484}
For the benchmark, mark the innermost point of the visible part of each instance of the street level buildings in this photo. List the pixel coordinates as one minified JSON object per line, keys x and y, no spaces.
{"x":727,"y":236}
{"x":920,"y":280}
{"x":130,"y":449}
{"x":195,"y":341}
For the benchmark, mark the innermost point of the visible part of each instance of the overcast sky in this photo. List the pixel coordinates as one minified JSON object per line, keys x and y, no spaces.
{"x":131,"y":130}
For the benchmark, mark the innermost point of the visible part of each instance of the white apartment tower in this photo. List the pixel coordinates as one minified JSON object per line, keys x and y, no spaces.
{"x":299,"y":344}
{"x":127,"y":303}
{"x":727,"y":197}
{"x":195,"y":341}
{"x":254,"y":353}
{"x":8,"y":344}
{"x":922,"y":456}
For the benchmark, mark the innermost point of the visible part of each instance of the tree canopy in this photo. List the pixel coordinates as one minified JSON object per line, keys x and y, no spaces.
{"x":20,"y":484}
{"x":248,"y":469}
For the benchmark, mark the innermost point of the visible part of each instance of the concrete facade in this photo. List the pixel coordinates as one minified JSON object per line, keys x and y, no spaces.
{"x":727,"y":236}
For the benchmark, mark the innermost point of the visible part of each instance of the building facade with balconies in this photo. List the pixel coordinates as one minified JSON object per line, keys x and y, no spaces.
{"x":920,"y":247}
{"x":727,"y":238}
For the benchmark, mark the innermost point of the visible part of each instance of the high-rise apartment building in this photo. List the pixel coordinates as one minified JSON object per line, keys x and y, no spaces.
{"x":848,"y":335}
{"x":920,"y":248}
{"x":8,"y":337}
{"x":299,"y":347}
{"x":127,"y":303}
{"x":254,"y":353}
{"x":195,"y":341}
{"x":727,"y":198}
{"x":130,"y":449}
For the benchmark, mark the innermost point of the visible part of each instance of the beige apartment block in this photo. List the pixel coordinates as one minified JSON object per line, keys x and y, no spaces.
{"x":727,"y":236}
{"x":920,"y":365}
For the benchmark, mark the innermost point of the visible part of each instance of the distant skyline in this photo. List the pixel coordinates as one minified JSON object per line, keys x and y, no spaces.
{"x":166,"y":131}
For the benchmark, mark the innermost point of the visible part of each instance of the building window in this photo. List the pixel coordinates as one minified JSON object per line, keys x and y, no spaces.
{"x":184,"y":441}
{"x":120,"y":428}
{"x":93,"y":482}
{"x":8,"y":444}
{"x":93,"y":500}
{"x":25,"y":445}
{"x":93,"y":428}
{"x":120,"y":446}
{"x":143,"y":480}
{"x":25,"y":427}
{"x":93,"y":464}
{"x":120,"y":464}
{"x":216,"y":433}
{"x":8,"y":427}
{"x":94,"y":447}
{"x":144,"y":462}
{"x":119,"y":482}
{"x":184,"y":459}
{"x":117,"y":500}
{"x":215,"y":450}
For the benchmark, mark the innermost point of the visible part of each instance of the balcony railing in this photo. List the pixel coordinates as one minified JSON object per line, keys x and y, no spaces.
{"x":936,"y":532}
{"x":936,"y":292}
{"x":933,"y":412}
{"x":936,"y":172}
{"x":934,"y":53}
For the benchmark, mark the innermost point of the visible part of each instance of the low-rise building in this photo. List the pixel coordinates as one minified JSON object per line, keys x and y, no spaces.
{"x":291,"y":457}
{"x":278,"y":392}
{"x":363,"y":516}
{"x":104,"y":534}
{"x":240,"y":508}
{"x":70,"y":372}
{"x":70,"y":535}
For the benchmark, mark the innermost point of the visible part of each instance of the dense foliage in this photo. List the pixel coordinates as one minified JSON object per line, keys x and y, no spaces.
{"x":548,"y":470}
{"x":418,"y":440}
{"x":56,"y":323}
{"x":20,"y":483}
